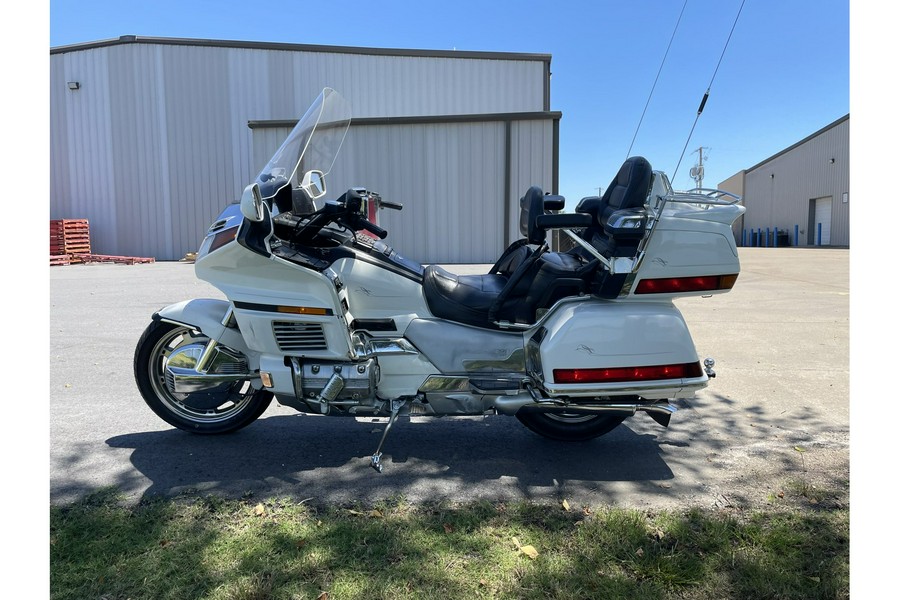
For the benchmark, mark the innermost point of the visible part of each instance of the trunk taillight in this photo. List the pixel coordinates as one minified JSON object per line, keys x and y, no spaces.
{"x":620,"y":374}
{"x":676,"y":285}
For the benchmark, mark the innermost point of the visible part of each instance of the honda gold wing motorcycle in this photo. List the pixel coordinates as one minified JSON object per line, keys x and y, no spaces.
{"x":326,"y":318}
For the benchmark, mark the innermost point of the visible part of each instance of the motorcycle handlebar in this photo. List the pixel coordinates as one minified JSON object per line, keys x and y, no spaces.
{"x":372,"y":227}
{"x":360,"y":222}
{"x":392,"y":205}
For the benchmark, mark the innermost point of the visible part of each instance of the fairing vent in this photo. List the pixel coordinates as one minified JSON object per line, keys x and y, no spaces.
{"x":299,"y":337}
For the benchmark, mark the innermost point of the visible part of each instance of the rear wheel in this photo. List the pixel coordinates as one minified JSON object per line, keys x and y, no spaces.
{"x":568,"y":427}
{"x":220,"y":411}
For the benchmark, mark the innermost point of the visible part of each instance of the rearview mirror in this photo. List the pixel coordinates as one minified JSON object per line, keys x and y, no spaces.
{"x":251,"y":203}
{"x":314,"y":184}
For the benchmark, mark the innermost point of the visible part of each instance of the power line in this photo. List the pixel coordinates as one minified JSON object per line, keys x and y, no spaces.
{"x":627,"y":154}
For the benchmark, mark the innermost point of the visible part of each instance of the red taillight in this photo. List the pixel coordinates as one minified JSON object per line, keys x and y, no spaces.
{"x":619,"y":374}
{"x":675,"y":285}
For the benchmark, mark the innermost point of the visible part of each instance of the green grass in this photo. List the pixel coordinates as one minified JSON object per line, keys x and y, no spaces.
{"x":245,"y":550}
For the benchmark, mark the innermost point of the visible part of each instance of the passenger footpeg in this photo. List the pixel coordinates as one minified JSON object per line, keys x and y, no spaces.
{"x":396,"y":405}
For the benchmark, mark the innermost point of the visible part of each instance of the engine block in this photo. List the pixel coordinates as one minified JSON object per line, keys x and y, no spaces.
{"x":358,"y":379}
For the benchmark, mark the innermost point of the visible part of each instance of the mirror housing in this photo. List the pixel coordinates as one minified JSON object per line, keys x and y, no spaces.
{"x":314,"y":184}
{"x":251,"y":203}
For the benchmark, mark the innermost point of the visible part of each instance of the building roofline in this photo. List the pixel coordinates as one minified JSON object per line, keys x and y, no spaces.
{"x":426,"y":119}
{"x":800,"y":143}
{"x":136,"y":39}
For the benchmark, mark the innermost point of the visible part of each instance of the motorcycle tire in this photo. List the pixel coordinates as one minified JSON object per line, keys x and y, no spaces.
{"x":198,"y":412}
{"x":568,"y":427}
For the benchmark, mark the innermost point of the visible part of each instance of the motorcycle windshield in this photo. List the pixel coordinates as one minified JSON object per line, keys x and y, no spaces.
{"x":312,"y":145}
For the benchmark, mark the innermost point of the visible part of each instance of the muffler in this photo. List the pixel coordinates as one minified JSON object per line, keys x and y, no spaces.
{"x":661,"y":412}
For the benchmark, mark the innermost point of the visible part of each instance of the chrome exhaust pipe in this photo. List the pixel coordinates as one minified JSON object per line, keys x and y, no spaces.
{"x":661,"y":412}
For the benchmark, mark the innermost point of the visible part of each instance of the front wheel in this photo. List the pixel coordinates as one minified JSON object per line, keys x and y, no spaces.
{"x":219,"y":411}
{"x":568,"y":427}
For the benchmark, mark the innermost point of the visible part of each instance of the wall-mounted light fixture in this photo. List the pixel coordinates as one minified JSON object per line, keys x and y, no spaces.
{"x":772,"y":176}
{"x":831,"y":160}
{"x":73,"y":85}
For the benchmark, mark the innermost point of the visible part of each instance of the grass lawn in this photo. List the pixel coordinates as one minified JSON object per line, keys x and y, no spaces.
{"x":102,"y":548}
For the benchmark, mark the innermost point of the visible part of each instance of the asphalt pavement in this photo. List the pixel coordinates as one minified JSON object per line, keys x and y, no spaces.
{"x":777,"y":413}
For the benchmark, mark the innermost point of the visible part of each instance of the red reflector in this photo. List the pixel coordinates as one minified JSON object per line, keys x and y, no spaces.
{"x":222,"y":238}
{"x":618,"y":374}
{"x":674,"y":285}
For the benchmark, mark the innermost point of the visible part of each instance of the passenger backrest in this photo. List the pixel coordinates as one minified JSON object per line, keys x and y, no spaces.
{"x":531,"y":207}
{"x":629,"y":189}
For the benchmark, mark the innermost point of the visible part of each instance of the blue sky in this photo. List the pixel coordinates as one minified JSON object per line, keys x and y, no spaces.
{"x":784,"y":75}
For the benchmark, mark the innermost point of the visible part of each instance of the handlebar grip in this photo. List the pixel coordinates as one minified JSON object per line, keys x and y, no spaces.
{"x":372,"y":227}
{"x":393,"y":205}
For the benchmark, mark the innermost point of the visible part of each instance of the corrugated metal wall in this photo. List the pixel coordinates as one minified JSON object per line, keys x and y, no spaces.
{"x":450,"y":177}
{"x":778,"y":191}
{"x":156,"y":141}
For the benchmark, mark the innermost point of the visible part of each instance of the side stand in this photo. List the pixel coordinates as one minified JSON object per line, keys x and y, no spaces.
{"x":376,"y":458}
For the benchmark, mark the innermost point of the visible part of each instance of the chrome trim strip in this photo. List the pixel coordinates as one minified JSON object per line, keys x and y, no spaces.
{"x":599,"y":389}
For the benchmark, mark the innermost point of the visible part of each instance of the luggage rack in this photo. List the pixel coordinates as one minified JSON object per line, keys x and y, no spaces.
{"x":704,"y":197}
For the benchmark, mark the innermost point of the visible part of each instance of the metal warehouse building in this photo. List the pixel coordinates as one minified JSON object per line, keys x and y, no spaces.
{"x":151,"y":137}
{"x":802,"y":192}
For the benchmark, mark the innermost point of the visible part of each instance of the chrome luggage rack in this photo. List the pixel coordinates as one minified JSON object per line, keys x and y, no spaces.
{"x":704,"y":197}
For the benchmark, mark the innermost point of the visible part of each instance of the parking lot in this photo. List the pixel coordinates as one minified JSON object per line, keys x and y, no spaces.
{"x":777,"y":414}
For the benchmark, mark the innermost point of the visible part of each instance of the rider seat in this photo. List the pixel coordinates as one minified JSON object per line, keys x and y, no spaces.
{"x":469,"y":298}
{"x":524,"y":281}
{"x":521,"y":281}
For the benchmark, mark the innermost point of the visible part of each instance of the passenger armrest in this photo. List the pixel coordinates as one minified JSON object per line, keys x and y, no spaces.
{"x":564,"y":220}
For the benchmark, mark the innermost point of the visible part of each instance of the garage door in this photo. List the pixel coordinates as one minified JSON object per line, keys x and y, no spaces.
{"x":821,"y":225}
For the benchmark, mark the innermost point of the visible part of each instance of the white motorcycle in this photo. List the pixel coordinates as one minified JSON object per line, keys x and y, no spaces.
{"x":328,"y":319}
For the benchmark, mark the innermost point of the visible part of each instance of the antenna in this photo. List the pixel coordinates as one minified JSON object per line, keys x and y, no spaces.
{"x":708,"y":88}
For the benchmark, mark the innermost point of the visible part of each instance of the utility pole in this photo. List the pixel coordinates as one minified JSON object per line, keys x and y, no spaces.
{"x":697,"y":170}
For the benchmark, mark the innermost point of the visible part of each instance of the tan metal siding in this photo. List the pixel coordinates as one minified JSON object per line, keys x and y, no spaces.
{"x":778,"y":192}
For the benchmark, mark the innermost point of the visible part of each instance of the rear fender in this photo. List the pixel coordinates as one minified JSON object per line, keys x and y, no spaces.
{"x":206,"y":315}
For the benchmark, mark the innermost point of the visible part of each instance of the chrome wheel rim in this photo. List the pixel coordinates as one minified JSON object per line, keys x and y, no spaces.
{"x":197,"y":407}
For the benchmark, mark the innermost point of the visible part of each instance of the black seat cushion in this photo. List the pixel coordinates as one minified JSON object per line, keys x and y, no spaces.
{"x":462,"y":298}
{"x":517,"y":253}
{"x":469,"y":298}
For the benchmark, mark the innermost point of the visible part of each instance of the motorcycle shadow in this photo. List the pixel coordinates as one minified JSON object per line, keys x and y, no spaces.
{"x":424,"y":459}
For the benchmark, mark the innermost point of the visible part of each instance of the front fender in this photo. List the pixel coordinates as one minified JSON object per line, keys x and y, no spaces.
{"x":206,"y":315}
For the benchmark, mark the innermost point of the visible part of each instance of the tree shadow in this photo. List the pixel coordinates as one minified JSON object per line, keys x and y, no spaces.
{"x":328,"y":458}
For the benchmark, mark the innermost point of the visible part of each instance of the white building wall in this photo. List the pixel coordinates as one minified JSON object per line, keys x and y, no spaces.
{"x":156,"y":141}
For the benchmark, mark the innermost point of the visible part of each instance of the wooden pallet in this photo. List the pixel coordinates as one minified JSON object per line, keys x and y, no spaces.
{"x":70,"y":236}
{"x":59,"y":260}
{"x":105,"y":258}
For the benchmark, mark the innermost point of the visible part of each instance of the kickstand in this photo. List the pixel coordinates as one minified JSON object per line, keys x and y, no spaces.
{"x":376,"y":458}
